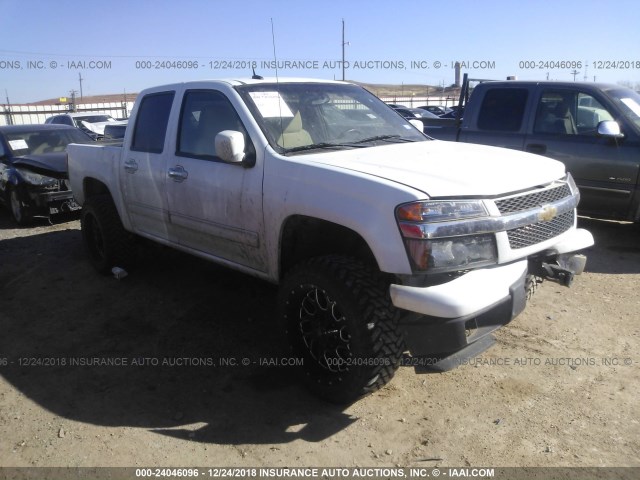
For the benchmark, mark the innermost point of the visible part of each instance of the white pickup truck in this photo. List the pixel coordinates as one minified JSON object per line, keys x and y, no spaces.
{"x":382,"y":240}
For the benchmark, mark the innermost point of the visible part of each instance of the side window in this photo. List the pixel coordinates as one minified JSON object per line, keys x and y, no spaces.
{"x":590,"y":113}
{"x":502,"y":109}
{"x":151,"y":122}
{"x":569,"y":112}
{"x":205,"y":113}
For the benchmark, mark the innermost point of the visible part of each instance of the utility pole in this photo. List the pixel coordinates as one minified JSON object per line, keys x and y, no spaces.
{"x":343,"y":44}
{"x":80,"y":78}
{"x":9,"y":119}
{"x":73,"y":100}
{"x":574,"y":73}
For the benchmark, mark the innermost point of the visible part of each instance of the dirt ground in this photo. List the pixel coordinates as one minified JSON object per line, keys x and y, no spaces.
{"x":560,"y":387}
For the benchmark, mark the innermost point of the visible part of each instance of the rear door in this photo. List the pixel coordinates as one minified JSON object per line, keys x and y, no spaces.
{"x":500,"y":118}
{"x":144,"y":166}
{"x":215,"y":207}
{"x":565,"y":128}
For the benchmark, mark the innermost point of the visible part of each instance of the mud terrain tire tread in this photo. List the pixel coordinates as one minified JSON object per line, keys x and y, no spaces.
{"x":363,"y":296}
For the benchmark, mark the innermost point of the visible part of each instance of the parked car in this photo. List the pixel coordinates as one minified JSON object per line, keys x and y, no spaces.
{"x":593,"y":128}
{"x":453,"y":112}
{"x":33,"y":170}
{"x":436,"y":109}
{"x":410,"y":113}
{"x":115,"y":131}
{"x":92,"y":124}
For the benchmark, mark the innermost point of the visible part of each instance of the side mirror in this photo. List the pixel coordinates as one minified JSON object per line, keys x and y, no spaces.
{"x":418,"y":124}
{"x":230,"y":146}
{"x":610,"y":129}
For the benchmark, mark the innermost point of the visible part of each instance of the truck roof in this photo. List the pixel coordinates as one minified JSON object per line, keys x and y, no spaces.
{"x":234,"y":82}
{"x":551,"y":83}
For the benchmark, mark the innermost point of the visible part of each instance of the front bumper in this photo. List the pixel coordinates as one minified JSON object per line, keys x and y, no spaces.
{"x":52,"y":203}
{"x":449,"y":317}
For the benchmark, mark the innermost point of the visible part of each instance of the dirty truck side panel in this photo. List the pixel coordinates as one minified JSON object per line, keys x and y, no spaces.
{"x":194,"y":200}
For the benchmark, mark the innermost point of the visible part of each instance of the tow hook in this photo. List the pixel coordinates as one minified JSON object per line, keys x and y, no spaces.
{"x":563,"y":270}
{"x":556,"y":272}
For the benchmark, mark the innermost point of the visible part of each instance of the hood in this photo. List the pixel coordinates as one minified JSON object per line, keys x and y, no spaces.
{"x":98,"y":127}
{"x":448,"y":169}
{"x":50,"y":164}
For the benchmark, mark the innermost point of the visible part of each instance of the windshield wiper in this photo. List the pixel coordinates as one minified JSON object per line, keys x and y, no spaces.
{"x":385,"y":137}
{"x":321,"y":145}
{"x":356,"y":144}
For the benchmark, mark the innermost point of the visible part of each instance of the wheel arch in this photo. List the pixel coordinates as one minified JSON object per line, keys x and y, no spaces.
{"x":92,"y":187}
{"x":303,"y":237}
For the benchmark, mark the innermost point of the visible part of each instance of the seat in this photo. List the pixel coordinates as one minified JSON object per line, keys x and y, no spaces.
{"x":556,"y":119}
{"x":564,"y":123}
{"x":38,"y":143}
{"x":294,"y":135}
{"x":213,"y":120}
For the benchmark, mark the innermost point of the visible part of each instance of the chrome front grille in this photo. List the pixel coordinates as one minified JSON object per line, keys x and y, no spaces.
{"x":533,"y":200}
{"x":539,"y":232}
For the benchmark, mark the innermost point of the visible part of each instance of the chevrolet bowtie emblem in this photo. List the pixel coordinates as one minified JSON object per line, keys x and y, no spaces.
{"x":549,"y":212}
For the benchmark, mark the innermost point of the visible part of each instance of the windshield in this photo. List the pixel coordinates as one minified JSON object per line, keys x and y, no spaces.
{"x":298,"y":117}
{"x":629,"y":103}
{"x":36,"y":142}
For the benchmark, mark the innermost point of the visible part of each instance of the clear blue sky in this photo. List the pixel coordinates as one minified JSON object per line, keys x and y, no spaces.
{"x":384,"y":37}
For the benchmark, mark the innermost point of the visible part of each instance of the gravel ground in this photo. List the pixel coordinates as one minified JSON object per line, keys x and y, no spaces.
{"x":560,"y":387}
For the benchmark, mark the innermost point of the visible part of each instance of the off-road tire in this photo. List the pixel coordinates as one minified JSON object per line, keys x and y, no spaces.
{"x":531,"y":285}
{"x":106,"y":241}
{"x":339,"y":319}
{"x":20,"y":213}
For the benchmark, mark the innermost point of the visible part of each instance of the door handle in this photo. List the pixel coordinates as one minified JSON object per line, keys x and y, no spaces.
{"x":538,"y":148}
{"x":178,"y":173}
{"x":131,"y":166}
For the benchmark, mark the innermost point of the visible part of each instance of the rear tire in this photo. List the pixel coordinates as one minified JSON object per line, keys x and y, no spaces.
{"x":106,"y":241}
{"x":339,"y":320}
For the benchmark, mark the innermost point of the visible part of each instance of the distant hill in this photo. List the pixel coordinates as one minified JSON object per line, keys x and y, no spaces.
{"x":380,"y":89}
{"x":408,"y":90}
{"x":106,"y":98}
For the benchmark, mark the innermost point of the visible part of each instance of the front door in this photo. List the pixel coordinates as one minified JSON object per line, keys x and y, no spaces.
{"x":214,"y":207}
{"x":605,"y":169}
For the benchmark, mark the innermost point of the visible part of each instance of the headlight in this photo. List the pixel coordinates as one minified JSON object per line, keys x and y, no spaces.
{"x":36,"y":179}
{"x":440,"y":210}
{"x":445,"y":254}
{"x":573,"y":186}
{"x":449,"y":254}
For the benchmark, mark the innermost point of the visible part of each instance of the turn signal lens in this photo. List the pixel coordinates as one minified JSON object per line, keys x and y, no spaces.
{"x":440,"y":210}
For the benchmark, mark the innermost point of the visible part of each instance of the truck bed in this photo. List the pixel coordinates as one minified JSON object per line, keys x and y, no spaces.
{"x":97,"y":161}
